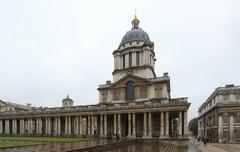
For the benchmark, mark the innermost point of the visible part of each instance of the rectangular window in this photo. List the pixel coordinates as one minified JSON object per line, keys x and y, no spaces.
{"x":150,"y":59}
{"x":238,"y":97}
{"x":225,"y":97}
{"x":123,"y":60}
{"x":137,"y":58}
{"x":130,"y":59}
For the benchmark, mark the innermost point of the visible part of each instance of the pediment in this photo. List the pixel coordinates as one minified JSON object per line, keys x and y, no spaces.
{"x":130,"y":77}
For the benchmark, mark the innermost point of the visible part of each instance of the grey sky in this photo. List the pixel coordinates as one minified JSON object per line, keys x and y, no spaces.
{"x":49,"y":48}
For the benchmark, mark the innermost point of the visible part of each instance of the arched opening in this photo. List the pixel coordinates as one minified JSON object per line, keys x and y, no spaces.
{"x":130,"y":91}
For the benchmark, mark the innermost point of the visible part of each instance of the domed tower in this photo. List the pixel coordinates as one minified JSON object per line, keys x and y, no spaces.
{"x":135,"y":54}
{"x":67,"y":102}
{"x":134,"y":78}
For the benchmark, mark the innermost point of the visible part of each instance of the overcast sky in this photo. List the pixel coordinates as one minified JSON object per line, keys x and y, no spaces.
{"x":49,"y":49}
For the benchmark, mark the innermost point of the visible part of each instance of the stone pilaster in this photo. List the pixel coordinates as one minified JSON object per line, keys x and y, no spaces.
{"x":105,"y":125}
{"x":145,"y":125}
{"x":150,"y":125}
{"x":133,"y":125}
{"x":161,"y":124}
{"x":114,"y":124}
{"x":180,"y":124}
{"x":185,"y":123}
{"x":129,"y":125}
{"x":220,"y":131}
{"x":167,"y":125}
{"x":231,"y":127}
{"x":119,"y":125}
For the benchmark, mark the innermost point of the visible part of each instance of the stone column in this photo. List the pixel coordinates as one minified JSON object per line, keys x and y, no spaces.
{"x":133,"y":125}
{"x":29,"y":125}
{"x":167,"y":125}
{"x":6,"y":126}
{"x":180,"y":124}
{"x":13,"y":125}
{"x":69,"y":125}
{"x":101,"y":125}
{"x":134,"y":59}
{"x":231,"y":127}
{"x":46,"y":126}
{"x":185,"y":124}
{"x":105,"y":125}
{"x":220,"y":131}
{"x":1,"y":127}
{"x":92,"y":125}
{"x":119,"y":125}
{"x":37,"y":126}
{"x":40,"y":126}
{"x":150,"y":125}
{"x":55,"y":126}
{"x":129,"y":125}
{"x":22,"y":126}
{"x":59,"y":125}
{"x":66,"y":125}
{"x":161,"y":124}
{"x":145,"y":125}
{"x":77,"y":125}
{"x":80,"y":126}
{"x":89,"y":125}
{"x":49,"y":126}
{"x":114,"y":124}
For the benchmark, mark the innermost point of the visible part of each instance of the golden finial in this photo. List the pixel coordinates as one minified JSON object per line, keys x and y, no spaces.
{"x":135,"y":21}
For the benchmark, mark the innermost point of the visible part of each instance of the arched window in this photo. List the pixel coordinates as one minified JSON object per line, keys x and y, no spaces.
{"x":130,"y":91}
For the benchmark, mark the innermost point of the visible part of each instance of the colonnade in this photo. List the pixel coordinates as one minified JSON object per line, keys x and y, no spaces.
{"x":130,"y":125}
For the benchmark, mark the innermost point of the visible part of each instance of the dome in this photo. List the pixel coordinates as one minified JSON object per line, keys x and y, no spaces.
{"x":136,"y":34}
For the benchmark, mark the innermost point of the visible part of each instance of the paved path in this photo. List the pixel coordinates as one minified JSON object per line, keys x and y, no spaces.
{"x":56,"y":147}
{"x":214,"y":147}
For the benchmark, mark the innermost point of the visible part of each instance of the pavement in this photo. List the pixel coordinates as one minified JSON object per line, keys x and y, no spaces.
{"x":215,"y":147}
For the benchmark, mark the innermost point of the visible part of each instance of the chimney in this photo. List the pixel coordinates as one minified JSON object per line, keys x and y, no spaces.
{"x":165,"y":74}
{"x":108,"y":82}
{"x":29,"y":105}
{"x":229,"y":85}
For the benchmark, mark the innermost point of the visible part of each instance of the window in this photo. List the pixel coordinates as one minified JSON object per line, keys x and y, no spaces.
{"x":225,"y":119}
{"x":123,"y":60}
{"x":130,"y":91}
{"x":238,"y":97}
{"x":225,"y":97}
{"x":150,"y":59}
{"x":130,"y":59}
{"x":137,"y":58}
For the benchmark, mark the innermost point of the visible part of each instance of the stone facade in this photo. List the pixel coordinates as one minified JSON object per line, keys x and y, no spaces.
{"x":137,"y":104}
{"x":219,"y":116}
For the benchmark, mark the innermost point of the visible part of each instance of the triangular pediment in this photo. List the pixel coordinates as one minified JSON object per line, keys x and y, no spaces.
{"x":130,"y":77}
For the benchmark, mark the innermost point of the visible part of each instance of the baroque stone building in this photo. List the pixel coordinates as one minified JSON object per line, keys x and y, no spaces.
{"x":219,"y":115}
{"x":136,"y":104}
